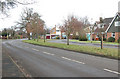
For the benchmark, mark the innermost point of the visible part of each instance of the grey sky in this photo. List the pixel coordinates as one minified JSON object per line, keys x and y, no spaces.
{"x":53,"y":12}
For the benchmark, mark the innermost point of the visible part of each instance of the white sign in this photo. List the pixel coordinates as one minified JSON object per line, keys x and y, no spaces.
{"x":117,"y":23}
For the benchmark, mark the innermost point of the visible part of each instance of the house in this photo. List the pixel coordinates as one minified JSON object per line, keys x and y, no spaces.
{"x":47,"y":36}
{"x":114,"y":28}
{"x":90,"y":30}
{"x":55,"y":32}
{"x":101,"y":28}
{"x":21,"y":33}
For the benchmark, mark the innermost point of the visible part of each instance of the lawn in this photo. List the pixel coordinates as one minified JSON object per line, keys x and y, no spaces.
{"x":97,"y":42}
{"x":107,"y":52}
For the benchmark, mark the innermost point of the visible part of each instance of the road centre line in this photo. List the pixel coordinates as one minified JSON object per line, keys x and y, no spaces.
{"x":73,"y":60}
{"x":66,"y":58}
{"x":48,"y":53}
{"x":35,"y":49}
{"x":27,"y":47}
{"x":108,"y":70}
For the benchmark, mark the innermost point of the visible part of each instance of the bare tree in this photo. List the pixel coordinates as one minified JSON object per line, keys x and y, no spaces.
{"x":68,"y":25}
{"x":25,"y":20}
{"x":101,"y":30}
{"x":37,"y":25}
{"x":6,"y":5}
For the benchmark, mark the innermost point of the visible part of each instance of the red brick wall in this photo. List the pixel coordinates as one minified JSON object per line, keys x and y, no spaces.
{"x":109,"y":35}
{"x":94,"y":36}
{"x":117,"y":35}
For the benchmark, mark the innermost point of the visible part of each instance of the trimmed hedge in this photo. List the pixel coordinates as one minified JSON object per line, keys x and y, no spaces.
{"x":83,"y":38}
{"x":111,"y":39}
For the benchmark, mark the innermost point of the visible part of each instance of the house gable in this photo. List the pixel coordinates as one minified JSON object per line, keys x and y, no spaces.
{"x":112,"y":27}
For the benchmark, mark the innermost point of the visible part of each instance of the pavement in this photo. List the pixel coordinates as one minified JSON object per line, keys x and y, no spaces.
{"x":39,"y":61}
{"x":9,"y":68}
{"x":85,"y":44}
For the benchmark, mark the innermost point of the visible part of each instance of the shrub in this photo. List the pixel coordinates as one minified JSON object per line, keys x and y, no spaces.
{"x":57,"y":37}
{"x":76,"y":37}
{"x":82,"y":38}
{"x":104,"y":39}
{"x":119,"y":40}
{"x":111,"y":39}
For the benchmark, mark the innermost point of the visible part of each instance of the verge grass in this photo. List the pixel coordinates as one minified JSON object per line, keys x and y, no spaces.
{"x":97,"y":42}
{"x":107,"y":52}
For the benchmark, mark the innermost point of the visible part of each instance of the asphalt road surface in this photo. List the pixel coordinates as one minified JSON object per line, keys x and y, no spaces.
{"x":85,"y":44}
{"x":40,"y":61}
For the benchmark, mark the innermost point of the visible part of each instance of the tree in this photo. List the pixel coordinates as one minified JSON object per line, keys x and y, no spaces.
{"x":68,"y":25}
{"x":25,"y":20}
{"x":101,"y":30}
{"x":6,"y":5}
{"x":37,"y":25}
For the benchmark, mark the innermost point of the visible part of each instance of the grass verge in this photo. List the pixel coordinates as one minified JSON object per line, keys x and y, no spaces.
{"x":96,"y":42}
{"x":106,"y":52}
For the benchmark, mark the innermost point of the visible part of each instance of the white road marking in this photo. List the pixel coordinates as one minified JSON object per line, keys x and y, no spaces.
{"x":66,"y":58}
{"x":48,"y":53}
{"x":73,"y":60}
{"x":27,"y":47}
{"x":115,"y":72}
{"x":35,"y":49}
{"x":78,"y":62}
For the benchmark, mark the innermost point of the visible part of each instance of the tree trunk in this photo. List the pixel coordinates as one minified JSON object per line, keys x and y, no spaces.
{"x":37,"y":37}
{"x":101,"y":41}
{"x":28,"y":34}
{"x":67,"y":39}
{"x":44,"y":36}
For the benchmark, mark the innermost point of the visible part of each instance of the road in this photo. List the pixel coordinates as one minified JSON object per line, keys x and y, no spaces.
{"x":39,"y":61}
{"x":85,"y":44}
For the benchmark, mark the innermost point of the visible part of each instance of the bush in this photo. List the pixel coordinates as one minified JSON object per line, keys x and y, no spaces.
{"x":82,"y":38}
{"x":104,"y":39}
{"x":75,"y":37}
{"x":111,"y":39}
{"x":119,"y":40}
{"x":57,"y":37}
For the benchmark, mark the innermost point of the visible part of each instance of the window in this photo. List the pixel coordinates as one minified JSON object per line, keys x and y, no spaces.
{"x":101,"y":25}
{"x":117,"y":23}
{"x":57,"y":30}
{"x":113,"y":34}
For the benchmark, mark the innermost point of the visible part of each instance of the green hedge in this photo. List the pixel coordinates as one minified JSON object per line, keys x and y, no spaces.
{"x":111,"y":39}
{"x":83,"y":38}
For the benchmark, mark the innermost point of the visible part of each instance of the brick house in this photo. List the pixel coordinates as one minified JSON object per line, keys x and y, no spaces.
{"x":55,"y":32}
{"x":114,"y":28}
{"x":100,"y":28}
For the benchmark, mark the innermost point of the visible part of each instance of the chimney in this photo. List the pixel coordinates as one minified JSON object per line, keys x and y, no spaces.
{"x":119,"y":6}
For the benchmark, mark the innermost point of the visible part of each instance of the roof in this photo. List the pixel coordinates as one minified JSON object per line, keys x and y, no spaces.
{"x":106,"y":23}
{"x":117,"y":14}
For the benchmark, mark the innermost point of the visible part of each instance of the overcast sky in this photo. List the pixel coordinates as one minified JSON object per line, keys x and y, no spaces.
{"x":53,"y":12}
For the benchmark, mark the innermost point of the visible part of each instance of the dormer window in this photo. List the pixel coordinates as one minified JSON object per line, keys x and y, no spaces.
{"x":117,"y":23}
{"x":101,"y":25}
